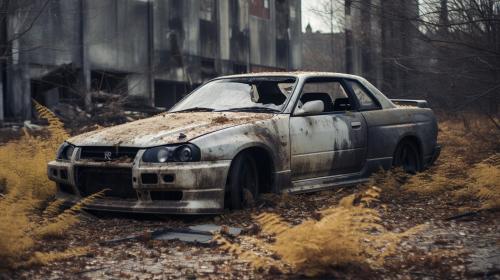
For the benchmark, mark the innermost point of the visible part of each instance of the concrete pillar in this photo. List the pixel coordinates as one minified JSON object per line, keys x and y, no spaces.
{"x":19,"y":100}
{"x":85,"y":74}
{"x":151,"y":51}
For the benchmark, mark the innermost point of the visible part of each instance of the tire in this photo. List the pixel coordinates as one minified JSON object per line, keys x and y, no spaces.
{"x":243,"y":182}
{"x":408,"y":157}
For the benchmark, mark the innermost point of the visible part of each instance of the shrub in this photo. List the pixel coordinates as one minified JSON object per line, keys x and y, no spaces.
{"x":23,"y":221}
{"x":483,"y":183}
{"x":347,"y":235}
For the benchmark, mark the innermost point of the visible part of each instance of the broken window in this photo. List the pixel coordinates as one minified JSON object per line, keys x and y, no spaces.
{"x":330,"y":91}
{"x":59,"y":85}
{"x":109,"y":82}
{"x":207,"y":10}
{"x":168,"y":93}
{"x":348,"y":7}
{"x":366,"y":101}
{"x":208,"y":28}
{"x":207,"y":69}
{"x":256,"y":94}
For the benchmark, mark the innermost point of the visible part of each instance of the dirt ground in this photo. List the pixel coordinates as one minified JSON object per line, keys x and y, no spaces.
{"x":460,"y":248}
{"x":457,"y":249}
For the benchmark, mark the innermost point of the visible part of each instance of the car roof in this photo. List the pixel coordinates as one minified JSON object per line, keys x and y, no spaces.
{"x":298,"y":74}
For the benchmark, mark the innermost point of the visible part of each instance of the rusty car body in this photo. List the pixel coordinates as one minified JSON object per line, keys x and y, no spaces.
{"x":247,"y":134}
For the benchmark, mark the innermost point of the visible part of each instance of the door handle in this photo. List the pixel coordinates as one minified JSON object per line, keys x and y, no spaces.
{"x":355,"y":124}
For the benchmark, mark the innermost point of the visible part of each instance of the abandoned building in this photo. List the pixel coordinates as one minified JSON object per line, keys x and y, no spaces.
{"x":323,"y":51}
{"x":379,"y":40}
{"x":153,"y":51}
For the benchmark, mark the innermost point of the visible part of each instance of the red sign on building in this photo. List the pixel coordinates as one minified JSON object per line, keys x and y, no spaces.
{"x":260,"y":8}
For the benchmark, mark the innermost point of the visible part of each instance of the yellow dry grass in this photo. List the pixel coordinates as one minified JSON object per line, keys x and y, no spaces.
{"x":349,"y":234}
{"x":25,"y":221}
{"x":469,"y":166}
{"x":483,"y":183}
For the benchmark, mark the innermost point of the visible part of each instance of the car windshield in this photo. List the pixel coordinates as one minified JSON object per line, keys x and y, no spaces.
{"x":259,"y":94}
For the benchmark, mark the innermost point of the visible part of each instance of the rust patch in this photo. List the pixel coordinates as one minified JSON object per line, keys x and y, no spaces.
{"x":166,"y":128}
{"x":220,"y":119}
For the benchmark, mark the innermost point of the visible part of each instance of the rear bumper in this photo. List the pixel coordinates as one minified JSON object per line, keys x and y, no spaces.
{"x":187,"y":188}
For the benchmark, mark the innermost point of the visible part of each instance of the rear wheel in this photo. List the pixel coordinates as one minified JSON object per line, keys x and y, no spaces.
{"x":243,"y":182}
{"x":408,"y":157}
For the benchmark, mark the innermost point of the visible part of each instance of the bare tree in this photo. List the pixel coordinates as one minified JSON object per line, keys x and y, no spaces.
{"x":447,"y":51}
{"x":325,"y":51}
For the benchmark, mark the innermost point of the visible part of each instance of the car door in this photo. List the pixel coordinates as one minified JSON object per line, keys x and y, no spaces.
{"x":331,"y":142}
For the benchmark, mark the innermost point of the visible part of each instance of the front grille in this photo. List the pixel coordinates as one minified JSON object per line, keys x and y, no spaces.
{"x":121,"y":154}
{"x":118,"y":181}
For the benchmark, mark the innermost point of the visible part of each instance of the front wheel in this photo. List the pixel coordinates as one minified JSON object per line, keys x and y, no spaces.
{"x":243,"y":182}
{"x":407,"y":156}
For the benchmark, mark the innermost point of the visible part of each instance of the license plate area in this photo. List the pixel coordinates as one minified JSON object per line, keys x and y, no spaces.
{"x":118,"y":181}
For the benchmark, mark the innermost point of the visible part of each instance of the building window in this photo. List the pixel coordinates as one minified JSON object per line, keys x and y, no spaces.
{"x":293,"y":14}
{"x":207,"y":9}
{"x":260,"y":8}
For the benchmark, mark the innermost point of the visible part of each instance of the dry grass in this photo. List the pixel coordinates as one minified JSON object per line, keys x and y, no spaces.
{"x":469,"y":137}
{"x":483,"y":183}
{"x":24,"y":221}
{"x":347,"y":235}
{"x":468,"y":168}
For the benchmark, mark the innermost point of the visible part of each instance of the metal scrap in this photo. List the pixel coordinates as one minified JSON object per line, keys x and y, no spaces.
{"x":202,"y":234}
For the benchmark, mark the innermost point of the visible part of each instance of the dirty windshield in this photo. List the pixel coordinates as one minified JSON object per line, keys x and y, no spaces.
{"x":263,"y":94}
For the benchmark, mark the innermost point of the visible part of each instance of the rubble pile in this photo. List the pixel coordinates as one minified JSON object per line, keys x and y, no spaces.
{"x":107,"y":109}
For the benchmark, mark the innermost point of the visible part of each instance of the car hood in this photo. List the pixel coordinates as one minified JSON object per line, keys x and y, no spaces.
{"x":166,"y":128}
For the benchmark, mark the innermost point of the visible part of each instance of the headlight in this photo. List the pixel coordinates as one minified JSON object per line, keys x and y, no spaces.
{"x":65,"y":151}
{"x":163,"y":155}
{"x":179,"y":153}
{"x":185,"y":153}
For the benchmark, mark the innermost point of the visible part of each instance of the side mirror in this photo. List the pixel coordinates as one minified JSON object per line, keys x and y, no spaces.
{"x":311,"y":107}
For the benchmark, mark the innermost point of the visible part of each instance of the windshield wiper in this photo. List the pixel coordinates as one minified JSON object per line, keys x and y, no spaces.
{"x":196,"y":109}
{"x":253,"y":109}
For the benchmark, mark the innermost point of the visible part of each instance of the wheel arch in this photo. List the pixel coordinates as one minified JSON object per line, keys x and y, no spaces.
{"x":412,"y":138}
{"x":265,"y":161}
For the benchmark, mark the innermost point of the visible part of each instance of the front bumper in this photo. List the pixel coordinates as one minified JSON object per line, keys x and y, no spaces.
{"x":170,"y":188}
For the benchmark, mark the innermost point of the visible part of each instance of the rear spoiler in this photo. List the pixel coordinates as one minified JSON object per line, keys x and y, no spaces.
{"x":411,"y":102}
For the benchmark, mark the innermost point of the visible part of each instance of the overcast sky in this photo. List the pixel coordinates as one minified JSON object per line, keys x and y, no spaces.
{"x":309,"y":17}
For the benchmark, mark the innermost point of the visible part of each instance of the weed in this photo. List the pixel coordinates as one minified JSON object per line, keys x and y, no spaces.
{"x":24,"y":221}
{"x":347,"y":235}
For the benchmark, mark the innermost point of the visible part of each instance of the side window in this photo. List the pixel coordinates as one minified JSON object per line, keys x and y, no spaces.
{"x":329,"y":91}
{"x":366,"y":101}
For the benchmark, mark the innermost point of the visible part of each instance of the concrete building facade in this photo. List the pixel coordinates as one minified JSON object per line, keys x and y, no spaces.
{"x":153,"y":51}
{"x":378,"y":36}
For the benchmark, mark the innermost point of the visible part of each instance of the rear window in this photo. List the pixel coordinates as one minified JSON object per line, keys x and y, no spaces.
{"x":366,"y":101}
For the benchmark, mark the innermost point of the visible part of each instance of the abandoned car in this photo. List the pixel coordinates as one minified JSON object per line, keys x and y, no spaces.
{"x":238,"y":136}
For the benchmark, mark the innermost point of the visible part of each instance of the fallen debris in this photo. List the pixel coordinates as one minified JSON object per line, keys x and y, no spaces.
{"x":202,"y":234}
